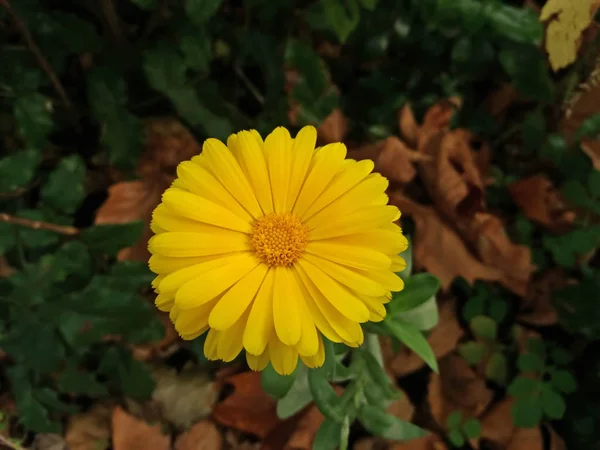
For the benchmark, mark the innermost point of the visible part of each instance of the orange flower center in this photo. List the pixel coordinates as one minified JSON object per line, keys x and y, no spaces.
{"x":278,"y":239}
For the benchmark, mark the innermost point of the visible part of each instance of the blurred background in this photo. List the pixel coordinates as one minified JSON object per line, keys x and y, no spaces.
{"x":483,"y":114}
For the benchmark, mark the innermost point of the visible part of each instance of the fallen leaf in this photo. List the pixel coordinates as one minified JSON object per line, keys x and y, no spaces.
{"x":131,"y":433}
{"x":541,"y":202}
{"x":158,"y":349}
{"x":204,"y":435}
{"x":443,"y":338}
{"x":334,"y":128}
{"x":45,"y":441}
{"x":90,"y":430}
{"x":409,"y":128}
{"x":392,"y":158}
{"x":457,"y":387}
{"x":370,"y":443}
{"x":537,"y":308}
{"x":439,"y":249}
{"x":401,"y":408}
{"x":183,"y":397}
{"x":437,"y":118}
{"x":500,"y":100}
{"x":248,"y":408}
{"x":431,"y":442}
{"x":6,"y":270}
{"x":565,"y":23}
{"x":556,"y":442}
{"x":497,"y":426}
{"x":303,"y":436}
{"x":235,"y":440}
{"x":527,"y":439}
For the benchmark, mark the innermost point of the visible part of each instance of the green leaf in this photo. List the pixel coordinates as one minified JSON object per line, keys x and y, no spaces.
{"x":297,"y":397}
{"x":497,"y":309}
{"x":561,"y":356}
{"x":274,"y":384}
{"x":325,"y":397}
{"x":406,"y":255}
{"x":7,"y":237}
{"x":473,"y":352}
{"x":369,"y":4}
{"x":424,"y":317}
{"x":537,"y":347}
{"x":484,"y":327}
{"x":146,"y":5}
{"x":18,"y":169}
{"x":343,"y":17}
{"x":200,"y":11}
{"x":380,"y":423}
{"x":410,"y":336}
{"x":454,"y":419}
{"x":472,"y":428}
{"x":33,"y":114}
{"x":64,"y":189}
{"x":456,"y":438}
{"x":523,"y":387}
{"x":72,"y":381}
{"x":32,"y":414}
{"x":328,"y":436}
{"x":590,"y":127}
{"x":526,"y":65}
{"x":121,"y":131}
{"x":130,"y":275}
{"x":195,"y":45}
{"x":530,"y":362}
{"x":418,"y":289}
{"x":594,"y":183}
{"x":564,"y":381}
{"x":130,"y":375}
{"x":329,"y":366}
{"x":497,"y":368}
{"x":109,"y":239}
{"x":575,"y":193}
{"x":566,"y":247}
{"x":475,"y":306}
{"x":527,"y":412}
{"x":377,"y":373}
{"x":553,"y":404}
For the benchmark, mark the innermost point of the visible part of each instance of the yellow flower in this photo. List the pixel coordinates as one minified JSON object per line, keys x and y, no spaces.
{"x":270,"y":245}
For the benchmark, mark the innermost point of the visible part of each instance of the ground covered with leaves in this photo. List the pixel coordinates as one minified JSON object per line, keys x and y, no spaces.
{"x":484,"y":116}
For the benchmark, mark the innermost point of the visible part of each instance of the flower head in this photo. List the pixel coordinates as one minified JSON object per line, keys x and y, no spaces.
{"x":271,"y":245}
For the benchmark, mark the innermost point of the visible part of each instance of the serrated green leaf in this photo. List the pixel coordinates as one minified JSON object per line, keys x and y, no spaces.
{"x":523,"y":387}
{"x":328,"y":435}
{"x":274,"y":384}
{"x":552,"y":403}
{"x":418,"y":289}
{"x":297,"y":397}
{"x":195,"y":45}
{"x":454,"y":419}
{"x":496,"y":368}
{"x":563,"y":381}
{"x":473,"y":352}
{"x":130,"y":275}
{"x":472,"y":428}
{"x":484,"y":327}
{"x":72,"y":381}
{"x":325,"y":397}
{"x":110,"y":238}
{"x":527,"y":412}
{"x":529,"y":362}
{"x":18,"y":169}
{"x":130,"y":375}
{"x":200,"y":11}
{"x":65,"y":189}
{"x":33,"y":114}
{"x":378,"y":422}
{"x":410,"y":336}
{"x":33,"y":238}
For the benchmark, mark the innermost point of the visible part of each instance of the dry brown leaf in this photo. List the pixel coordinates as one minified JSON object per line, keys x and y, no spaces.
{"x":333,"y":128}
{"x":90,"y":430}
{"x":431,"y":442}
{"x":556,"y":442}
{"x":131,"y":433}
{"x":202,"y":436}
{"x":497,"y":426}
{"x":457,"y":387}
{"x":248,"y":408}
{"x":443,"y":338}
{"x":439,"y":249}
{"x":303,"y":436}
{"x":46,"y":441}
{"x":159,"y":349}
{"x":409,"y":128}
{"x":401,"y":408}
{"x":537,"y":308}
{"x":392,"y":158}
{"x":500,"y":100}
{"x":541,"y":202}
{"x":6,"y":270}
{"x":371,"y":443}
{"x":183,"y":397}
{"x":527,"y":439}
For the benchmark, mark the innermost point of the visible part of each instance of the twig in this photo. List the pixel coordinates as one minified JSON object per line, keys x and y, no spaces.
{"x":38,"y":224}
{"x":5,"y":442}
{"x":35,"y":50}
{"x":113,"y":21}
{"x":259,"y":97}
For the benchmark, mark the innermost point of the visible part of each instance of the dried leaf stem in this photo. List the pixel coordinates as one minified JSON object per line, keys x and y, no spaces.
{"x":39,"y":225}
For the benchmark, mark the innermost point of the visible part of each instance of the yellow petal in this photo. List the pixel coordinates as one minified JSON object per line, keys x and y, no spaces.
{"x":382,"y":240}
{"x":348,"y":330}
{"x":325,"y":164}
{"x":258,"y":138}
{"x":185,"y":244}
{"x":302,"y":153}
{"x":278,"y":151}
{"x":252,"y":160}
{"x":363,"y":220}
{"x":194,"y":335}
{"x":156,"y":282}
{"x":230,"y":340}
{"x":198,"y":180}
{"x":210,"y":345}
{"x":174,"y":280}
{"x":237,"y":299}
{"x":168,"y":264}
{"x":209,"y":284}
{"x":197,"y":208}
{"x":388,"y":279}
{"x":260,"y":323}
{"x":376,"y":307}
{"x":164,"y":218}
{"x":283,"y":357}
{"x":398,"y":264}
{"x":349,"y":255}
{"x":174,"y":313}
{"x":350,"y":175}
{"x":356,"y":198}
{"x":164,"y":302}
{"x":286,"y":307}
{"x":258,"y":362}
{"x":316,"y":360}
{"x":308,"y":345}
{"x":192,"y":320}
{"x":348,"y":277}
{"x":223,"y":165}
